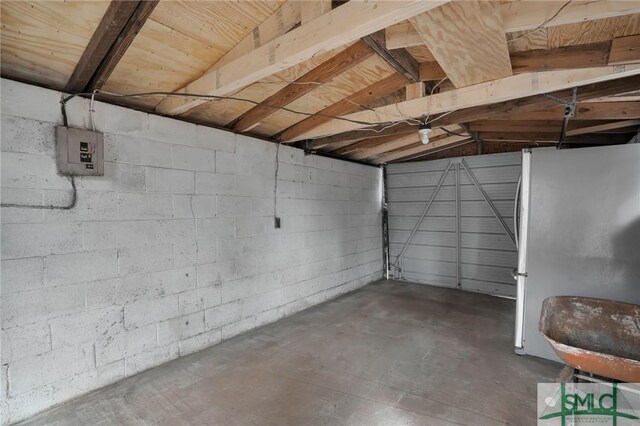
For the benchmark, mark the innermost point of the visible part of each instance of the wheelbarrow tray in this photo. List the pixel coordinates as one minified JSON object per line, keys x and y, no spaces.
{"x":594,"y":335}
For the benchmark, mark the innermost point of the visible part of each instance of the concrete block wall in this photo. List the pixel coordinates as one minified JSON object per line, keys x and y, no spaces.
{"x":172,"y":251}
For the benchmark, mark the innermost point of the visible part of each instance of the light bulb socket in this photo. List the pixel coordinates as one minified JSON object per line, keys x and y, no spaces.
{"x":424,"y":127}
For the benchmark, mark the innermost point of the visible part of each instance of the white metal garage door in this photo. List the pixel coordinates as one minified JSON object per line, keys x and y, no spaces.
{"x":465,"y":238}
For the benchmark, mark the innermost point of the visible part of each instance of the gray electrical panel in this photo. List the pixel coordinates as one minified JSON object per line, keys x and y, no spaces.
{"x":79,"y":152}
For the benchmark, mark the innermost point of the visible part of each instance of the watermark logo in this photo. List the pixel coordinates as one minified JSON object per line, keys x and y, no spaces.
{"x":568,"y":404}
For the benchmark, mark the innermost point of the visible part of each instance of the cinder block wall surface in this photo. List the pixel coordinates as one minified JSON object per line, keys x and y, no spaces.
{"x":172,"y":251}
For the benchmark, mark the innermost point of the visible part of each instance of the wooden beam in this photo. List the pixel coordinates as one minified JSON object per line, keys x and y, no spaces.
{"x":625,"y":50}
{"x":570,"y":57}
{"x":351,"y":103}
{"x":415,"y":91}
{"x":584,"y":111}
{"x":311,"y":9}
{"x":590,"y":139}
{"x":360,"y":134}
{"x":432,"y":151}
{"x":334,"y":66}
{"x":399,"y":142}
{"x":118,"y":27}
{"x":527,"y":15}
{"x":430,"y":71}
{"x":394,"y":143}
{"x":340,"y":26}
{"x":467,"y":39}
{"x":400,"y":60}
{"x":419,"y":148}
{"x":377,"y":142}
{"x":603,"y":127}
{"x":506,"y":89}
{"x":498,"y":110}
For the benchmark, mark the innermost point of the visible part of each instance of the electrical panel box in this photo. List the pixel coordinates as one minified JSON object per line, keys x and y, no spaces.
{"x":79,"y":152}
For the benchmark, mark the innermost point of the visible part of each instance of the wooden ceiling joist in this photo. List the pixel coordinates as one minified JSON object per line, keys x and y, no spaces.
{"x":120,"y":24}
{"x":528,"y":15}
{"x":603,"y":127}
{"x":334,"y":66}
{"x":502,"y":109}
{"x":590,"y":139}
{"x":502,"y":90}
{"x":625,"y":50}
{"x":584,"y":111}
{"x":419,"y":148}
{"x":347,"y":105}
{"x":467,"y":40}
{"x":399,"y":59}
{"x":562,"y":58}
{"x":340,"y":26}
{"x":360,"y":134}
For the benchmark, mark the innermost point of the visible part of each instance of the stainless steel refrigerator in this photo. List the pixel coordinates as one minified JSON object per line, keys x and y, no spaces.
{"x":579,"y":231}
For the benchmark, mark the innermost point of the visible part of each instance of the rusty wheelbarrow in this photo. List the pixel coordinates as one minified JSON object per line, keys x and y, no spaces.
{"x":594,"y":335}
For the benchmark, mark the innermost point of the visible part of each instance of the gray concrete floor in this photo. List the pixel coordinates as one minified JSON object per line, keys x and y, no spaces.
{"x":390,"y":353}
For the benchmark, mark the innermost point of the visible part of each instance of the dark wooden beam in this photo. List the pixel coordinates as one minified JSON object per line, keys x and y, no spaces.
{"x":590,"y":139}
{"x":399,"y":59}
{"x":348,"y":58}
{"x":118,"y":27}
{"x":584,"y":111}
{"x":352,"y":103}
{"x":562,"y":58}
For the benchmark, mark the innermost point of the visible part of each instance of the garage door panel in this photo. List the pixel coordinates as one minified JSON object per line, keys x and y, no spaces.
{"x":485,"y":175}
{"x":443,"y":254}
{"x":495,"y":191}
{"x":487,"y":225}
{"x":486,"y":254}
{"x":507,"y":290}
{"x":419,"y":179}
{"x":424,"y":238}
{"x":486,"y":241}
{"x":487,"y":273}
{"x":507,"y":259}
{"x":447,"y":224}
{"x":429,"y":267}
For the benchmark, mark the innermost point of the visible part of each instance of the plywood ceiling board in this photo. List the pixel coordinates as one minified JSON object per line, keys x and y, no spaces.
{"x":226,"y":111}
{"x":43,"y":41}
{"x":362,"y":75}
{"x":218,"y":24}
{"x":159,"y":59}
{"x":593,"y":31}
{"x":467,"y":39}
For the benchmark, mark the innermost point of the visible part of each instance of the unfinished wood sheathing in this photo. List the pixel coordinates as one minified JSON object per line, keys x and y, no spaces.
{"x":595,"y":31}
{"x":362,"y":75}
{"x":467,"y":39}
{"x":225,"y":111}
{"x":180,"y":41}
{"x":43,"y":41}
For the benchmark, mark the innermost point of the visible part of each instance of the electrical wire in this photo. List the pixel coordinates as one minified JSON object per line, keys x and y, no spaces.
{"x":220,"y":98}
{"x":275,"y":183}
{"x":454,"y":133}
{"x":72,"y":204}
{"x":543,"y":24}
{"x":426,"y":120}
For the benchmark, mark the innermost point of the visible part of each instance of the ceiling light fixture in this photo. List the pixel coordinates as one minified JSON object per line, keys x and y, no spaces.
{"x":424,"y":131}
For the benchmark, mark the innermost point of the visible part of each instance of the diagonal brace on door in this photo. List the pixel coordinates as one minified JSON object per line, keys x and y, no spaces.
{"x":488,"y":200}
{"x":424,"y":213}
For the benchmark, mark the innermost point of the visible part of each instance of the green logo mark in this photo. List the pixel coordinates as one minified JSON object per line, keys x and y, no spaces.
{"x":612,"y":404}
